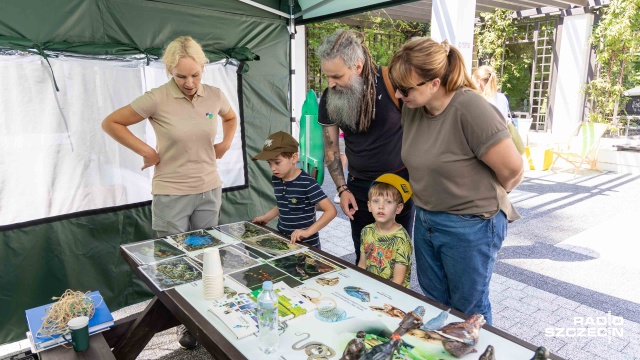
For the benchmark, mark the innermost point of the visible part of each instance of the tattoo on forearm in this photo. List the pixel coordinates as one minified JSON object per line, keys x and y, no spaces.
{"x":335,"y":169}
{"x":332,"y":160}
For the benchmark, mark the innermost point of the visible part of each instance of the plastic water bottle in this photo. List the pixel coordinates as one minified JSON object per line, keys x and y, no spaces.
{"x":268,"y":319}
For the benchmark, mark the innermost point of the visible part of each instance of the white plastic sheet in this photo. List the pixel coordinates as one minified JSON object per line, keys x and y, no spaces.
{"x":54,"y":157}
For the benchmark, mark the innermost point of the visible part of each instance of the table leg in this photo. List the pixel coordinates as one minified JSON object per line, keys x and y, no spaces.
{"x":155,"y":318}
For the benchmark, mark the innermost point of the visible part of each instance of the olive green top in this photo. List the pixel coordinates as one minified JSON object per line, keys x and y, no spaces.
{"x":442,"y":154}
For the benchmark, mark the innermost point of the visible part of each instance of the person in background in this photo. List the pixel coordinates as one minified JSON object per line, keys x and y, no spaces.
{"x":296,"y":193}
{"x":186,"y":186}
{"x":462,"y":164}
{"x":486,"y":80}
{"x":359,"y":101}
{"x":386,"y":246}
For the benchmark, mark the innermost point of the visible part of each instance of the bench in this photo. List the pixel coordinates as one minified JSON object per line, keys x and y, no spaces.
{"x":628,"y":148}
{"x":98,"y":350}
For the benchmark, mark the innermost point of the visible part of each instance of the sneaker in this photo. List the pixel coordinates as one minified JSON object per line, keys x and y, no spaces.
{"x":186,"y":340}
{"x":336,"y":199}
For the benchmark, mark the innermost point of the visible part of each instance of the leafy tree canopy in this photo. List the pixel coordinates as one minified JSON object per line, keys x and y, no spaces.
{"x":616,"y":40}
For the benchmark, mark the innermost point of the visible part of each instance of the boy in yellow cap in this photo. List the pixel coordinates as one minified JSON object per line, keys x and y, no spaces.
{"x":385,"y":248}
{"x":296,"y":192}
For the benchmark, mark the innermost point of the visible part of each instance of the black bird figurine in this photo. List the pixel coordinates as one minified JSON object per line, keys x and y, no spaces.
{"x":383,"y":351}
{"x":488,"y":354}
{"x":541,"y":354}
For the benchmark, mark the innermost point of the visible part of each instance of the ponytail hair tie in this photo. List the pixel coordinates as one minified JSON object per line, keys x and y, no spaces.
{"x":445,"y":46}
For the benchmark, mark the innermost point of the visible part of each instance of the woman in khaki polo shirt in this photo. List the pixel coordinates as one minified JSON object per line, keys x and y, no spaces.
{"x":462,"y":163}
{"x":186,"y":187}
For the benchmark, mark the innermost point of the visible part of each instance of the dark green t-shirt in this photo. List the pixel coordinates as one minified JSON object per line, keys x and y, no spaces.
{"x":443,"y":152}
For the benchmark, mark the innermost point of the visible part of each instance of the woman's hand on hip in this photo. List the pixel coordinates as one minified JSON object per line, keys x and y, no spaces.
{"x":220,"y":149}
{"x":150,"y":158}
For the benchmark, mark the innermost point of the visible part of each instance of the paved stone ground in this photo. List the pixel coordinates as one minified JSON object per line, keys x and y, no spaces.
{"x":573,"y":257}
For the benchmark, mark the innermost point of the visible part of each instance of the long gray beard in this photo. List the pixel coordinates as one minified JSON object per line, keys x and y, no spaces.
{"x":343,"y":103}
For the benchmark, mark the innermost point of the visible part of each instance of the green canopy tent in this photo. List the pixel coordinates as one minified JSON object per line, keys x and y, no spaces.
{"x":52,"y":248}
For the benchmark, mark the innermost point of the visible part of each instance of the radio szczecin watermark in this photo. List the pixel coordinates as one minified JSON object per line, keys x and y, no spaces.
{"x":586,"y":326}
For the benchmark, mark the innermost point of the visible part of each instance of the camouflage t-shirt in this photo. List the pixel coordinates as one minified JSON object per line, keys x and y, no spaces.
{"x":383,"y":252}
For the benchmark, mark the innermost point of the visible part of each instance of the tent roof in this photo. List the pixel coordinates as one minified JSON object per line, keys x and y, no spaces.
{"x":420,"y":11}
{"x":309,"y":11}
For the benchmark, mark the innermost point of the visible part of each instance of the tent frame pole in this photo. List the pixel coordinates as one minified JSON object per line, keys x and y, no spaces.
{"x":311,"y":8}
{"x":265,"y":8}
{"x":292,"y":70}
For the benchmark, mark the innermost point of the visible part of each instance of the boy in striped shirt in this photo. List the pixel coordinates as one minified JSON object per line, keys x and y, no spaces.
{"x":296,"y":193}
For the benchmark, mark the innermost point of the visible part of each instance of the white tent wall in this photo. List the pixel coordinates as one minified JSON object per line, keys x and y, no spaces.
{"x":55,"y":141}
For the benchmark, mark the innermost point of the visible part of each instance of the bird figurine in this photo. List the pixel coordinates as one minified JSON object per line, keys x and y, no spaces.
{"x":383,"y":351}
{"x":459,"y":338}
{"x":437,"y":322}
{"x":488,"y":354}
{"x":355,"y":347}
{"x":412,"y":320}
{"x":541,"y":353}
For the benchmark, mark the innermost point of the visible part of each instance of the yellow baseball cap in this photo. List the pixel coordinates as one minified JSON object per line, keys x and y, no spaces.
{"x":397,"y":182}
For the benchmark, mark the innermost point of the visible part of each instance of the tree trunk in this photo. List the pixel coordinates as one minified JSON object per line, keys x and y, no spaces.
{"x":619,"y":83}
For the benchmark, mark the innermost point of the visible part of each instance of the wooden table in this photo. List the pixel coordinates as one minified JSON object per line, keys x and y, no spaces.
{"x":98,"y":350}
{"x":169,"y":308}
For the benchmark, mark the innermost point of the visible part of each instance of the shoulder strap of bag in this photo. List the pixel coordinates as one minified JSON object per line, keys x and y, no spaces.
{"x":387,"y":84}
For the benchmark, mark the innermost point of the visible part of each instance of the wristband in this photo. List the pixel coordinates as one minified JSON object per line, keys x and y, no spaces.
{"x":341,"y":191}
{"x":341,"y":186}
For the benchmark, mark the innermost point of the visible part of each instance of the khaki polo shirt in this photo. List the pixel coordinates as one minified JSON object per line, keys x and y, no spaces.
{"x":185,"y":132}
{"x":442,"y":154}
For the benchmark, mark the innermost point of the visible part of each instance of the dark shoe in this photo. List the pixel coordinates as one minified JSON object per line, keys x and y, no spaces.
{"x":186,"y":340}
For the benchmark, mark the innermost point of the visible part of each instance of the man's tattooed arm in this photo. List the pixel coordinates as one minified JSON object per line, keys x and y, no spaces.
{"x":332,"y":154}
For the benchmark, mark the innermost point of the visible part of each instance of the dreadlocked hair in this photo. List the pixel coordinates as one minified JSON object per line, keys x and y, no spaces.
{"x":350,"y":46}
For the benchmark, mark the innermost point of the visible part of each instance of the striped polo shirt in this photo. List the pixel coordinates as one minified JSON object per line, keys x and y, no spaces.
{"x":296,"y":200}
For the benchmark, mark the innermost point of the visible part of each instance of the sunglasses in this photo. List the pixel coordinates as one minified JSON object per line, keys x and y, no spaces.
{"x":405,"y":91}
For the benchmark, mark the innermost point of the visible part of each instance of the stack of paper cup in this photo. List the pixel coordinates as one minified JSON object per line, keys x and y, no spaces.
{"x":212,"y":277}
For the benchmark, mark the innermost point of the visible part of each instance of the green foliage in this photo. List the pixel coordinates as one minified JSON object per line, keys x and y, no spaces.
{"x":383,"y":35}
{"x":516,"y":74}
{"x":514,"y":61}
{"x":632,"y":79}
{"x":617,"y":44}
{"x":496,"y":28}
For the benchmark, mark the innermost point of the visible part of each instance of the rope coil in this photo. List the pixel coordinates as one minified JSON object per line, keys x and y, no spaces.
{"x":70,"y":305}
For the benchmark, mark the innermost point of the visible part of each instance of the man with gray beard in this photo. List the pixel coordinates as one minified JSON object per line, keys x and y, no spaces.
{"x":359,"y":102}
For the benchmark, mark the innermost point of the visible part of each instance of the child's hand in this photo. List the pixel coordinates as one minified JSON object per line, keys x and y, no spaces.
{"x":262,"y":220}
{"x":300,"y":234}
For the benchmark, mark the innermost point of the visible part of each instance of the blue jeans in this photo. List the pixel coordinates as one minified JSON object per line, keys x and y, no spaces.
{"x":455,"y":255}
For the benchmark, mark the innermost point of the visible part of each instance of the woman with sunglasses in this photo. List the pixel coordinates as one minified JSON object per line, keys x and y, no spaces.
{"x":463,"y":163}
